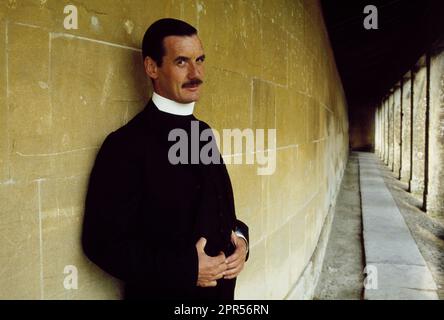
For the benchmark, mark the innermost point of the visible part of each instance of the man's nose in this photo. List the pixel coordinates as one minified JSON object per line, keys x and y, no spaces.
{"x":193,"y":71}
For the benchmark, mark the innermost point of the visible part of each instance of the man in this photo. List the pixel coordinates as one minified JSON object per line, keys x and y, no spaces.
{"x":169,"y":231}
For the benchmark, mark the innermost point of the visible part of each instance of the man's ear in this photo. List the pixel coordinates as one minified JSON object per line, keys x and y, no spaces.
{"x":151,"y":68}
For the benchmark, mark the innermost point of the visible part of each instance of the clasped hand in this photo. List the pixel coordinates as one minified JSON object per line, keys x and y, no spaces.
{"x":212,"y":269}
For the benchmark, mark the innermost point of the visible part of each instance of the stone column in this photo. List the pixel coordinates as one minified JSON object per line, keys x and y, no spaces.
{"x":377,"y":142}
{"x":383,"y":119}
{"x":435,"y":192}
{"x":406,"y":127}
{"x":419,"y":117}
{"x":386,"y":130}
{"x":381,"y":129}
{"x":391,"y":129}
{"x":397,"y":131}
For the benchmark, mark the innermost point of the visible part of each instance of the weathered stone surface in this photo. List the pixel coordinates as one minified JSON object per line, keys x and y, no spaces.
{"x":389,"y":245}
{"x":29,"y":118}
{"x":397,"y":132}
{"x":435,"y":196}
{"x":386,"y":131}
{"x":278,"y":204}
{"x":277,"y":263}
{"x":225,"y":106}
{"x":404,"y":276}
{"x":252,"y":284}
{"x":391,"y":123}
{"x":291,"y":124}
{"x":406,"y":127}
{"x":274,"y":69}
{"x":4,"y":141}
{"x":20,"y":241}
{"x":250,"y":197}
{"x":297,"y":245}
{"x":400,"y":294}
{"x":419,"y":118}
{"x":238,"y":48}
{"x":264,"y":107}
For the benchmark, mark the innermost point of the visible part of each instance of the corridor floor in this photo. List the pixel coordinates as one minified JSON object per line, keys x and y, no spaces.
{"x":342,"y":274}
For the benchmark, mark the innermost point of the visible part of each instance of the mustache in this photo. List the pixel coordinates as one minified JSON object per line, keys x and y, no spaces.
{"x":192,"y":82}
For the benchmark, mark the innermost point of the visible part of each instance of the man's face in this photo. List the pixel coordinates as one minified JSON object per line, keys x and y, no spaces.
{"x":181,"y":74}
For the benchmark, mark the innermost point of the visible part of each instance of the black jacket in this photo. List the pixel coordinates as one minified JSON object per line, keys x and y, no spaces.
{"x":144,"y":215}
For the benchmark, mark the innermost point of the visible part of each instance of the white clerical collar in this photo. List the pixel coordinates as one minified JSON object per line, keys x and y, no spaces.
{"x":173,"y":107}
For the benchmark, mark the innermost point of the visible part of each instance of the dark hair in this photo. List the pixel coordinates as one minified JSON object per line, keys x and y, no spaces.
{"x":152,"y":45}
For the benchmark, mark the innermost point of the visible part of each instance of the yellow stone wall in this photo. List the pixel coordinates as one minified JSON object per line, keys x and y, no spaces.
{"x":269,"y":65}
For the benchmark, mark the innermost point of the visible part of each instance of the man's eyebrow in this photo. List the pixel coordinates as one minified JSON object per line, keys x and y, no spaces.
{"x":180,"y":58}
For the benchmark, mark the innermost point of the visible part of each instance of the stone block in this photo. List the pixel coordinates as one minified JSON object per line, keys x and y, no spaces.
{"x":264,"y":107}
{"x":290,"y":118}
{"x":4,"y":132}
{"x":313,"y":120}
{"x":61,"y":249}
{"x":226,"y":100}
{"x":274,"y":43}
{"x":307,"y":170}
{"x":278,"y":263}
{"x":297,"y":245}
{"x":249,"y":196}
{"x":297,"y":76}
{"x":90,"y":94}
{"x":251,"y":283}
{"x":280,"y":190}
{"x":20,"y":245}
{"x":30,"y":113}
{"x":238,"y":48}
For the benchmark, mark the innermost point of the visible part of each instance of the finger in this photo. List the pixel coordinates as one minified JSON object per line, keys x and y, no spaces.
{"x":212,"y":278}
{"x":231,"y":277}
{"x":236,"y":255}
{"x":209,"y":284}
{"x":216,"y":277}
{"x":215,"y":274}
{"x":221,"y":268}
{"x":234,"y":270}
{"x":218,"y":260}
{"x":233,"y":274}
{"x":234,"y":264}
{"x":201,"y":244}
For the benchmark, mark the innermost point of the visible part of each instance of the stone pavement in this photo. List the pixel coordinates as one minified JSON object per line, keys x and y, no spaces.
{"x":396,"y":269}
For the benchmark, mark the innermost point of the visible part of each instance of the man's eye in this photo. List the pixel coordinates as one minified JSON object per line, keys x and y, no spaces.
{"x":201,"y":60}
{"x":181,"y":62}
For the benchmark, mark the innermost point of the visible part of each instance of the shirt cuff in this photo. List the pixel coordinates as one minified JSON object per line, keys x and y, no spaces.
{"x":239,"y":234}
